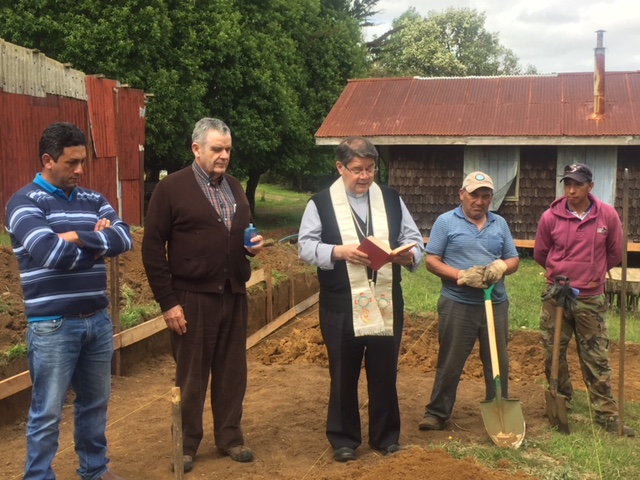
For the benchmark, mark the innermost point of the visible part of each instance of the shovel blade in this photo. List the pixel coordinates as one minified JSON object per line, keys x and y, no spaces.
{"x":504,"y":422}
{"x":557,"y":411}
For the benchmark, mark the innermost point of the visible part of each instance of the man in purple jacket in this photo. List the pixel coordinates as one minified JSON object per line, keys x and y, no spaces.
{"x":580,"y":237}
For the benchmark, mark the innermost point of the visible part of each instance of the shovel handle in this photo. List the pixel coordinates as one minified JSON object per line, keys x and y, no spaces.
{"x":491,"y":332}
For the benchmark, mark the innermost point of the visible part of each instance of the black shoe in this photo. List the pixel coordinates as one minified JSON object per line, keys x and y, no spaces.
{"x":344,"y":454}
{"x":187,"y":464}
{"x":429,"y":422}
{"x":393,"y":448}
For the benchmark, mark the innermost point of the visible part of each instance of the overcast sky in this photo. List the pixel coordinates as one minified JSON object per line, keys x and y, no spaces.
{"x":554,"y":36}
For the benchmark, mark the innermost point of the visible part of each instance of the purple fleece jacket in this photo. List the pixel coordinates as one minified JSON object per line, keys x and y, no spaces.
{"x":583,"y":250}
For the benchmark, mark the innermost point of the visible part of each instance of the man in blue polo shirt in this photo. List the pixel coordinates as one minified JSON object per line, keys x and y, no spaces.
{"x":60,"y":234}
{"x":469,"y":248}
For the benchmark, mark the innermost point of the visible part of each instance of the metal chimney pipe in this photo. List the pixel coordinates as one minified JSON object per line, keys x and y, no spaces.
{"x":598,"y":77}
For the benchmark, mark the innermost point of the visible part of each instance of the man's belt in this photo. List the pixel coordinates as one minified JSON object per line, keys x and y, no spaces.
{"x":84,"y":315}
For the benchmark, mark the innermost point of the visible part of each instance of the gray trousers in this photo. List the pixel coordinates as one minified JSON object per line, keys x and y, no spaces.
{"x":459,"y":325}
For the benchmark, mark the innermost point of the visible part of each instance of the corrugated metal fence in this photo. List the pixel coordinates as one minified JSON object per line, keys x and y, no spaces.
{"x":36,"y":91}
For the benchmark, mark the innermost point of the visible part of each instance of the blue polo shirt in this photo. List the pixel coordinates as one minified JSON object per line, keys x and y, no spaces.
{"x":459,"y":243}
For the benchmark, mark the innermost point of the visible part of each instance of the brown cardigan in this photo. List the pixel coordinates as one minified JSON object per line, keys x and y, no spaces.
{"x":186,"y":245}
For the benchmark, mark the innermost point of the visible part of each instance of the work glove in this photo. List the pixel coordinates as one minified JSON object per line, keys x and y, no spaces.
{"x":472,"y":277}
{"x":494,"y":272}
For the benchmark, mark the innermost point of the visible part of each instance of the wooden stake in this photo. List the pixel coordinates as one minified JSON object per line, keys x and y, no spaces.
{"x":176,"y":413}
{"x":623,"y":301}
{"x":269,"y":280}
{"x":116,"y":365}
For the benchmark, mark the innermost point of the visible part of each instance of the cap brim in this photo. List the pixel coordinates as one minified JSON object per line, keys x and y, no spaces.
{"x":473,"y":188}
{"x":578,"y":177}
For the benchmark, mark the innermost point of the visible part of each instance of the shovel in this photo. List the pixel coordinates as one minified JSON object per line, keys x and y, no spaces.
{"x":556,"y":402}
{"x":502,"y":417}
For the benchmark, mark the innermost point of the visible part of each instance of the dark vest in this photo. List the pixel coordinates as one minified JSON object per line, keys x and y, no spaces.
{"x":335,"y":290}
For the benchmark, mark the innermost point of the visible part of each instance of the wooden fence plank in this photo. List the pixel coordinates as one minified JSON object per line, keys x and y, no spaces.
{"x":271,"y":327}
{"x":22,"y":381}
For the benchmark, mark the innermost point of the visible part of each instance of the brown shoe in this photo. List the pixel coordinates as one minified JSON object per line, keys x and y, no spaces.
{"x":239,"y":453}
{"x":109,"y":475}
{"x":429,"y":422}
{"x":187,"y":464}
{"x":613,"y":426}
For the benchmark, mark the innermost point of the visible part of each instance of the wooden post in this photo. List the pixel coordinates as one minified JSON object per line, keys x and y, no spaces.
{"x":269,"y":280}
{"x":292,"y":292}
{"x":176,"y":430}
{"x":116,"y":368}
{"x":623,"y":295}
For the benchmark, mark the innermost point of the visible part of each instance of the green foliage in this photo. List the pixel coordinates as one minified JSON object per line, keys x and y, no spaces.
{"x":256,"y":65}
{"x":133,"y":313}
{"x":452,"y":43}
{"x":16,"y":352}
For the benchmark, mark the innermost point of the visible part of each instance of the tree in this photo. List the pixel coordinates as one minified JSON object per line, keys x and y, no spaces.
{"x":271,"y":70}
{"x":450,"y":43}
{"x":290,"y":66}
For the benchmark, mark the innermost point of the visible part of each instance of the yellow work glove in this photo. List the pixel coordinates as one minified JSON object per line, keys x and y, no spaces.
{"x":472,"y":277}
{"x":494,"y":272}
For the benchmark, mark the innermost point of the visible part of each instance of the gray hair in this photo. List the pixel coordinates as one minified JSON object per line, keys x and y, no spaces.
{"x":356,"y":147}
{"x":203,"y":126}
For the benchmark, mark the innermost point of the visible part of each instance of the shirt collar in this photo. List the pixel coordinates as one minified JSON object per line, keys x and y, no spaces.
{"x":458,"y":211}
{"x":40,"y":181}
{"x":204,"y":176}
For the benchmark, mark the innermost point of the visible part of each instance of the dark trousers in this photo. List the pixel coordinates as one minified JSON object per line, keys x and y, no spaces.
{"x":459,"y":325}
{"x":215,"y":344}
{"x":346,"y":352}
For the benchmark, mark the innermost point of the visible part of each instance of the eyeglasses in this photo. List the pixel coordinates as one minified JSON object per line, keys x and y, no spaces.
{"x":359,"y":171}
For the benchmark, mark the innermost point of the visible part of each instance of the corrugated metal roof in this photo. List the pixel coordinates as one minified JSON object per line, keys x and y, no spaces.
{"x":558,"y":105}
{"x":29,"y":72}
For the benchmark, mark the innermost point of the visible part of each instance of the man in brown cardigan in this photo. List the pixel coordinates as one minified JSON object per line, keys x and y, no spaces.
{"x":197,"y":266}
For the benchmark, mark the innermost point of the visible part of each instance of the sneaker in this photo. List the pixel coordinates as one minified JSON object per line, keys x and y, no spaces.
{"x":187,"y":464}
{"x":344,"y":454}
{"x":429,"y":422}
{"x":240,"y":453}
{"x":613,"y":426}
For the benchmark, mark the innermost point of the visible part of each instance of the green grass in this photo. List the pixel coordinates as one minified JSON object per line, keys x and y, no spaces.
{"x":133,"y":313}
{"x":278,"y":208}
{"x":586,"y":454}
{"x":4,"y":238}
{"x":422,"y":289}
{"x":17,"y":351}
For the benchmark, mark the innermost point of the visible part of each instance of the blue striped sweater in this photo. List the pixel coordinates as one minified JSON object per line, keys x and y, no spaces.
{"x":58,"y":277}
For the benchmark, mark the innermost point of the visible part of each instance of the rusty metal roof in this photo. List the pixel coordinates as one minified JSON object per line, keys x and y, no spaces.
{"x":439,"y":110}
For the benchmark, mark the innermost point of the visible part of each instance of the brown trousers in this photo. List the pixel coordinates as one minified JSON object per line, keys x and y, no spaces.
{"x":215,"y":344}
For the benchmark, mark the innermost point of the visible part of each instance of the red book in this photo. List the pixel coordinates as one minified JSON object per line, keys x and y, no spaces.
{"x":380,"y":253}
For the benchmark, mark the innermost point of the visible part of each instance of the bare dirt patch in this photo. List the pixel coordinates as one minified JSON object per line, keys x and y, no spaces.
{"x":286,"y":401}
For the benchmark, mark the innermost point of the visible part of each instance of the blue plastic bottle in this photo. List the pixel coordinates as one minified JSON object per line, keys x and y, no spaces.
{"x":249,"y":233}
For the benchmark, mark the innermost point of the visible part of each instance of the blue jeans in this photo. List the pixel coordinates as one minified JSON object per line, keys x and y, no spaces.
{"x":72,"y":352}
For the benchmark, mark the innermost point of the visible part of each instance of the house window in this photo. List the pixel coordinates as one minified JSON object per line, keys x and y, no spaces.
{"x":502,"y":164}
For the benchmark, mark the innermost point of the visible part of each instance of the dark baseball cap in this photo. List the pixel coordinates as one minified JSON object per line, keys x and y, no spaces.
{"x":579,"y":172}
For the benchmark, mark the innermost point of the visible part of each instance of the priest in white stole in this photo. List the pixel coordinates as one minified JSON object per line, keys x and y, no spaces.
{"x":361,"y":311}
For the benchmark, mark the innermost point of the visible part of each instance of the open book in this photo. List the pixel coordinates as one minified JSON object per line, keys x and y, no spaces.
{"x":380,"y":253}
